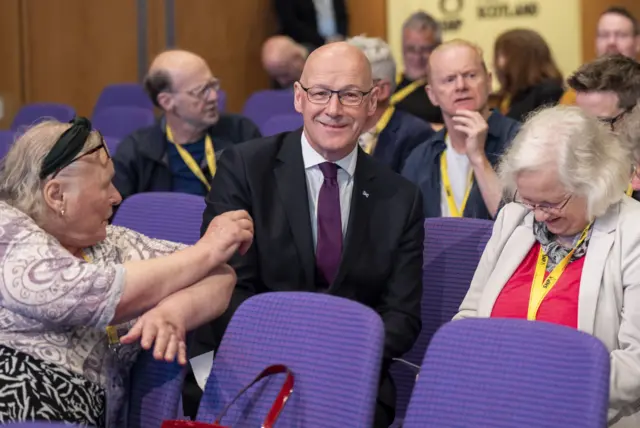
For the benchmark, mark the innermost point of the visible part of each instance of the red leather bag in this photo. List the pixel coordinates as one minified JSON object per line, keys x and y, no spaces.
{"x":272,"y":416}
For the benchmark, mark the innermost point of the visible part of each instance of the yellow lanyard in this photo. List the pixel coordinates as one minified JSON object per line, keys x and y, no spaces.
{"x":541,"y":287}
{"x":191,"y":163}
{"x":380,"y":126}
{"x":454,"y":211}
{"x":112,"y":331}
{"x":629,"y":191}
{"x":404,"y":92}
{"x":505,"y":104}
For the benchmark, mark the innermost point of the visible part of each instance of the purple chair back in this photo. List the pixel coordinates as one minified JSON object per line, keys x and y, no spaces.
{"x":222,"y":101}
{"x":112,"y":144}
{"x":123,"y":95}
{"x":452,"y":250}
{"x":119,"y":122}
{"x":155,"y":391}
{"x":262,"y":105}
{"x":281,"y":123}
{"x":171,"y":216}
{"x":6,"y":141}
{"x":332,"y":345}
{"x":32,"y":114}
{"x":503,"y":373}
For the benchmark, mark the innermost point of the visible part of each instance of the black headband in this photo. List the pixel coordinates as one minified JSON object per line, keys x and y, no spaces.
{"x":65,"y":150}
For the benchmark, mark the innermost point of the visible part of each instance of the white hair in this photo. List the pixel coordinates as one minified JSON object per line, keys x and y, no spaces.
{"x":20,"y":183}
{"x":377,"y":51}
{"x":590,"y":160}
{"x":422,"y":21}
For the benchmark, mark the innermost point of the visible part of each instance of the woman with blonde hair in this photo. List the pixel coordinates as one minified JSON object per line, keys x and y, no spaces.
{"x":79,"y":297}
{"x":567,"y":250}
{"x":528,"y":75}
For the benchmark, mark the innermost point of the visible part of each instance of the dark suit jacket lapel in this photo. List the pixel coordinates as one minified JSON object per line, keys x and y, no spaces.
{"x":291,"y":182}
{"x":362,"y":199}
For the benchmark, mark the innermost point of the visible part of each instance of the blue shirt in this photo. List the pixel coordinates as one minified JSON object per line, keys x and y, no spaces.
{"x":183,"y":180}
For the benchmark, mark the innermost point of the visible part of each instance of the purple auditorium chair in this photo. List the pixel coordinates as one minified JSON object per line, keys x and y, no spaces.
{"x":112,"y":144}
{"x":6,"y":140}
{"x":155,"y":391}
{"x":452,"y":250}
{"x":32,"y":114}
{"x":503,"y":373}
{"x":170,"y":216}
{"x":281,"y":123}
{"x":119,"y":122}
{"x":262,"y":105}
{"x":332,"y":345}
{"x":123,"y":95}
{"x":222,"y":101}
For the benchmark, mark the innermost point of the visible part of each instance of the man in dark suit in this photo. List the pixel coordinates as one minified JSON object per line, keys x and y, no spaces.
{"x":178,"y":153}
{"x":328,"y":218}
{"x":455,"y":169}
{"x":312,"y":22}
{"x":391,"y":134}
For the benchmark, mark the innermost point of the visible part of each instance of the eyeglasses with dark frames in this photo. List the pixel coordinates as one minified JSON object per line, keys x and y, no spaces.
{"x":611,"y":121}
{"x":347,"y":97}
{"x":553,"y":209}
{"x":103,"y":145}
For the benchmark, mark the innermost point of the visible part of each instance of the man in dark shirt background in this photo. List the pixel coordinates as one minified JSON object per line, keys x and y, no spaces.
{"x":421,"y":34}
{"x":179,"y":152}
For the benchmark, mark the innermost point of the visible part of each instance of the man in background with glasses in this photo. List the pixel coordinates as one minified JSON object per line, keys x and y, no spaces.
{"x":328,"y":218}
{"x":390,"y":134}
{"x":618,"y":33}
{"x":609,"y":89}
{"x":179,"y":152}
{"x":421,"y":34}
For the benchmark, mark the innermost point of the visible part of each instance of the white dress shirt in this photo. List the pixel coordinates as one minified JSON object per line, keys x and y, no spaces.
{"x":458,"y":167}
{"x":315,"y":178}
{"x":325,"y":17}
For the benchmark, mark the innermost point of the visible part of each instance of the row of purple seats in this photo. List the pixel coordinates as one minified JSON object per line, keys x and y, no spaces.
{"x":452,"y":251}
{"x":117,"y":122}
{"x":134,"y":95}
{"x":8,"y":137}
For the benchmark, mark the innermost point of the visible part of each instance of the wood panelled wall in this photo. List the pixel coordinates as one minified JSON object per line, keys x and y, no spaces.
{"x":68,"y":50}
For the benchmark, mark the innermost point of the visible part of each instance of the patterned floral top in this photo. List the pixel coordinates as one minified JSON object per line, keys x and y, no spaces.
{"x":55,"y":307}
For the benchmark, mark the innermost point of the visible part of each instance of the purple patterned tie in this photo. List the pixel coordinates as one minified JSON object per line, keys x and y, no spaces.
{"x":329,"y":245}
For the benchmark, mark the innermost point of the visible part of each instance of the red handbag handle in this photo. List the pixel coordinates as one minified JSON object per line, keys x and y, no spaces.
{"x":280,"y":401}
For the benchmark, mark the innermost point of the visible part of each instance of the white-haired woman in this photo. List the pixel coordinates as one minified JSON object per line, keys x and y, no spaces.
{"x":568,"y":174}
{"x":71,"y":287}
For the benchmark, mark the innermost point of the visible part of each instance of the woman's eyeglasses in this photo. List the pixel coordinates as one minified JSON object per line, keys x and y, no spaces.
{"x":553,"y":209}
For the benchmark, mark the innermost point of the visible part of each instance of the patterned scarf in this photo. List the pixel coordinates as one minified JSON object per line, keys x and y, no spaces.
{"x":553,"y":249}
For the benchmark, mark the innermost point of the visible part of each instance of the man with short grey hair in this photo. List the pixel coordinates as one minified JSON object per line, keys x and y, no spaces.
{"x":390,"y":134}
{"x":421,"y":34}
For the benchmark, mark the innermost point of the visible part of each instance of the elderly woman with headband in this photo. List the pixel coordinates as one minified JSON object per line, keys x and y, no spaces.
{"x":78,"y":295}
{"x":567,"y":251}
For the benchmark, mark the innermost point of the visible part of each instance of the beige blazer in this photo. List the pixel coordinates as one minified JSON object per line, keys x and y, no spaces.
{"x":609,"y":298}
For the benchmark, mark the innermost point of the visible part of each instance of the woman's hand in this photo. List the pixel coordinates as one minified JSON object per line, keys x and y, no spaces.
{"x":227,"y":233}
{"x":160,"y":326}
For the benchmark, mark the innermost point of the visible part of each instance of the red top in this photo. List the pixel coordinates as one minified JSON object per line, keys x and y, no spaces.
{"x":560,"y":305}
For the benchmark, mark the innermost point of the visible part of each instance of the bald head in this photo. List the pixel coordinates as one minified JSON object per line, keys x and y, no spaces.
{"x":283,"y":59}
{"x":335,"y":59}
